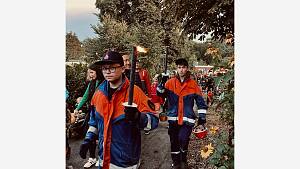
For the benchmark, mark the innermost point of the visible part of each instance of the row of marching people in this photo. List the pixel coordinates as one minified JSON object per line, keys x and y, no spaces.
{"x":117,"y":124}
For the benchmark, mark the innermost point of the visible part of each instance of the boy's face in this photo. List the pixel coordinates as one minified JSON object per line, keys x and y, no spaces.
{"x":137,"y":65}
{"x":126,"y":60}
{"x":92,"y":74}
{"x":182,"y":70}
{"x":112,"y":72}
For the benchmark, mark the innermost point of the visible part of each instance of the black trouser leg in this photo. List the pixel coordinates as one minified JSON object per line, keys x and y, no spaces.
{"x":92,"y":149}
{"x":207,"y":100}
{"x":175,"y":147}
{"x":184,"y":138}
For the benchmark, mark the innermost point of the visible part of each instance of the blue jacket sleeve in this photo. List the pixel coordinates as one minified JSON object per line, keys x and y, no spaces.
{"x":200,"y":102}
{"x":93,"y":130}
{"x":202,"y":109}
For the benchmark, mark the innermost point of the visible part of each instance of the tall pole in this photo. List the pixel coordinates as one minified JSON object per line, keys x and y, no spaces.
{"x":166,"y":59}
{"x":133,"y":54}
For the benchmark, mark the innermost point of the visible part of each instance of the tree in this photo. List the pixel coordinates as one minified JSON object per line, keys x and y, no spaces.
{"x":114,"y":34}
{"x":117,"y":35}
{"x":221,"y":55}
{"x":202,"y":17}
{"x":93,"y":49}
{"x":134,"y":23}
{"x":147,"y":23}
{"x":74,"y":49}
{"x":121,"y":10}
{"x":75,"y":81}
{"x":129,"y":11}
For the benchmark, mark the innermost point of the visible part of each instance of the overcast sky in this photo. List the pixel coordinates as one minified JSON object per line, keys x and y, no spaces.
{"x":79,"y":17}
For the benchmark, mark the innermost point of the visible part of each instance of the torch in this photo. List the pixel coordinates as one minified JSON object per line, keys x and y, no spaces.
{"x":164,"y":74}
{"x":133,"y":54}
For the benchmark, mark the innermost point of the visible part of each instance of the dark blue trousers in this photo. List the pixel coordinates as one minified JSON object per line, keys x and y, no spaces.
{"x":179,"y":138}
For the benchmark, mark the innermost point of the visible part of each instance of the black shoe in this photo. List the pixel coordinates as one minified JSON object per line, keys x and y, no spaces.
{"x":175,"y":166}
{"x":184,"y":165}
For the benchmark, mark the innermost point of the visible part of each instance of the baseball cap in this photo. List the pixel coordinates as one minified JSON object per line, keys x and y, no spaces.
{"x":111,"y":57}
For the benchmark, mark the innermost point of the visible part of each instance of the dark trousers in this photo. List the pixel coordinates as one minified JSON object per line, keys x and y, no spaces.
{"x":93,"y":145}
{"x":92,"y":149}
{"x":179,"y":138}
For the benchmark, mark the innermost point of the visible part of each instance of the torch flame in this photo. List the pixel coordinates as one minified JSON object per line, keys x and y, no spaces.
{"x":141,"y":49}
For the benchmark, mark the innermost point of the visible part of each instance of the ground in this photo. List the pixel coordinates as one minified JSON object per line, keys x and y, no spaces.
{"x":156,"y":148}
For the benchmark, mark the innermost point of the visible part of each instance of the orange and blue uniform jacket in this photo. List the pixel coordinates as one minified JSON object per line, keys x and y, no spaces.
{"x":181,"y":98}
{"x":119,"y":140}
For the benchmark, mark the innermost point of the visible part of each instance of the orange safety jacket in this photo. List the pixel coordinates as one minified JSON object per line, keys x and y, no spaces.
{"x":119,"y":140}
{"x":181,"y":97}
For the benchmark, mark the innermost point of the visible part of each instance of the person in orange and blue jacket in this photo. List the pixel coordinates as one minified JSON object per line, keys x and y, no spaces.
{"x":181,"y":92}
{"x":118,"y":127}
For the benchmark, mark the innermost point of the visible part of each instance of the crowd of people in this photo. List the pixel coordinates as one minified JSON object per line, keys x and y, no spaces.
{"x":114,"y":125}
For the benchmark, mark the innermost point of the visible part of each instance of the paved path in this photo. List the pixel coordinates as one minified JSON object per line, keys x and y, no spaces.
{"x":155,"y":150}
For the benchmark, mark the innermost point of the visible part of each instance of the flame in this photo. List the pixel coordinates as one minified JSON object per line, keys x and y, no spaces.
{"x":141,"y":49}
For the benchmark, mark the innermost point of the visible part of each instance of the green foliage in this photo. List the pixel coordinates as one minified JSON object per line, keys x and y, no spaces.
{"x":114,"y":34}
{"x":93,"y":49}
{"x":201,"y":17}
{"x":75,"y":81}
{"x":222,"y":56}
{"x":118,"y":9}
{"x":217,"y":53}
{"x":223,"y":156}
{"x":144,"y":23}
{"x":225,"y":107}
{"x":200,"y":50}
{"x":74,"y":49}
{"x":129,"y":11}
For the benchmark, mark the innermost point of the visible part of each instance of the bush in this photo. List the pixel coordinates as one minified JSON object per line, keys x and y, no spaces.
{"x":223,"y":156}
{"x":75,"y":82}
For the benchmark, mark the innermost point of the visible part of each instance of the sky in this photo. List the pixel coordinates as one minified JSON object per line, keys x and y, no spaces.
{"x":79,"y":17}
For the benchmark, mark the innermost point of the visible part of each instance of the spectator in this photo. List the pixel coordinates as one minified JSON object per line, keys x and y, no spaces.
{"x":127,"y":64}
{"x":96,"y":77}
{"x":172,"y":74}
{"x":145,"y":78}
{"x":209,"y":98}
{"x":154,"y":98}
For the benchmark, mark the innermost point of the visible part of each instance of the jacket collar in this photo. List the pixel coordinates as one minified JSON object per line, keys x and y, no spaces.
{"x":186,"y":77}
{"x":104,"y":87}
